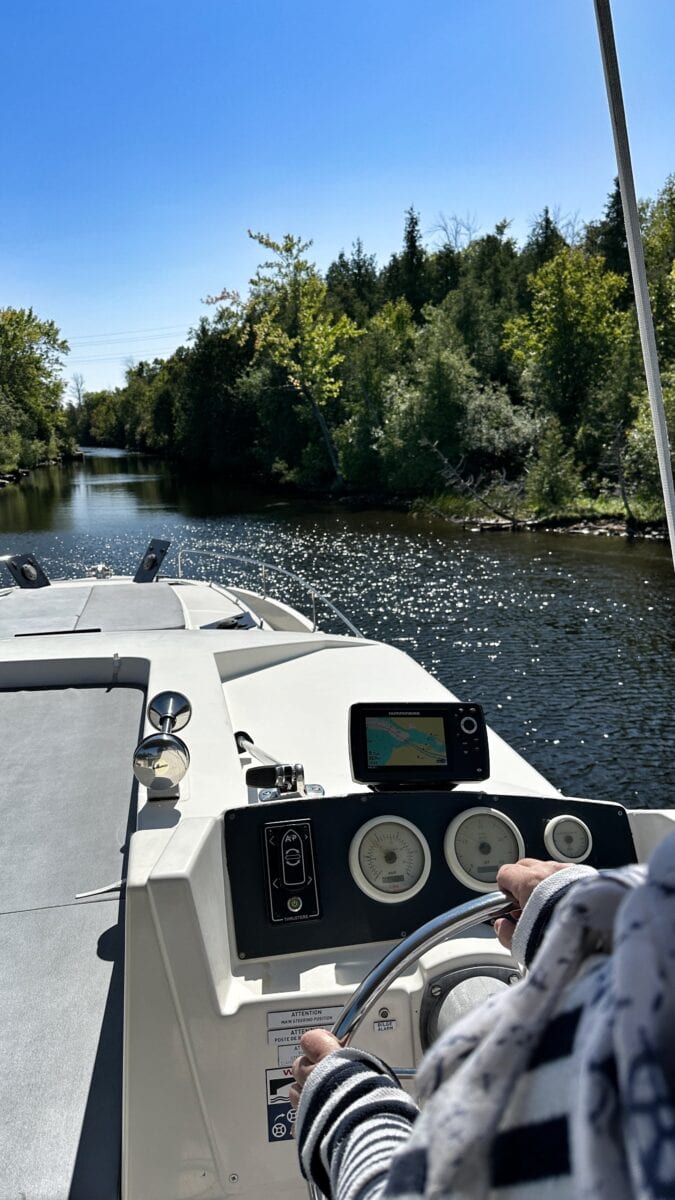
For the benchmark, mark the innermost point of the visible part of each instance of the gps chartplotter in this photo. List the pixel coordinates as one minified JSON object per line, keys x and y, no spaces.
{"x":418,"y":744}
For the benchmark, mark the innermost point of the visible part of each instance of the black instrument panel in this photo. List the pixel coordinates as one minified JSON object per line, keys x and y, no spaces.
{"x":293,"y":889}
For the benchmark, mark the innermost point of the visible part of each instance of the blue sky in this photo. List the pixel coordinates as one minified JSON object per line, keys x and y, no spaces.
{"x":140,"y":139}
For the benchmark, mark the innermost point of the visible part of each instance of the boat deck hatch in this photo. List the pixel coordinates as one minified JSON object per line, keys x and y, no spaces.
{"x":109,"y":607}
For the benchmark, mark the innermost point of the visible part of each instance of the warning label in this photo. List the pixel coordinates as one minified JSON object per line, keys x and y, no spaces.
{"x":306,"y":1017}
{"x":286,"y":1027}
{"x":280,"y":1111}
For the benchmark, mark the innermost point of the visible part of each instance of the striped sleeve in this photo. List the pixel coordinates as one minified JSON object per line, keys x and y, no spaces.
{"x":352,"y":1117}
{"x":534,"y":920}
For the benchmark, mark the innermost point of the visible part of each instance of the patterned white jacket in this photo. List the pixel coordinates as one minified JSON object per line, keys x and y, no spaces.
{"x":561,"y":1087}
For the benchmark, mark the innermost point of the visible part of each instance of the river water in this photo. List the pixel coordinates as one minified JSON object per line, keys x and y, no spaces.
{"x":567,"y":641}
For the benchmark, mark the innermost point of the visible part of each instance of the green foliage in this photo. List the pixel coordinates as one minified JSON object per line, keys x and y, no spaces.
{"x":405,"y":276}
{"x":352,"y":285}
{"x":210,"y":416}
{"x":441,"y":401}
{"x":607,"y":239}
{"x":571,"y":342}
{"x":496,"y":433}
{"x":295,"y":330}
{"x":485,"y":298}
{"x":472,"y":347}
{"x":543,"y":244}
{"x":659,"y":244}
{"x":641,"y":464}
{"x":32,"y":422}
{"x":553,"y":480}
{"x":387,"y":346}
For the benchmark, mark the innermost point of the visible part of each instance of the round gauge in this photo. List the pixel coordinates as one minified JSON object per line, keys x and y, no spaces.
{"x":477,"y":843}
{"x":389,"y":859}
{"x":568,"y":839}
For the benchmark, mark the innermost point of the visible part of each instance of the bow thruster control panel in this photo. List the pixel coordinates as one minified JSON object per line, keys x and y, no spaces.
{"x":290,"y":871}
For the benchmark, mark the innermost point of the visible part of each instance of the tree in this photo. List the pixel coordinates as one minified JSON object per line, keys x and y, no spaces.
{"x":544,"y":242}
{"x":386,"y":347}
{"x":553,"y":480}
{"x":77,"y":389}
{"x":428,"y":403}
{"x":31,"y":386}
{"x":352,"y":284}
{"x":485,"y":298}
{"x":294,"y":328}
{"x":607,"y":238}
{"x":567,"y":347}
{"x":659,"y":244}
{"x":405,"y":275}
{"x":214,"y":424}
{"x":641,"y":463}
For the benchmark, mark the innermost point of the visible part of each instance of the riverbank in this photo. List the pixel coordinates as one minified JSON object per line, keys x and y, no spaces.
{"x":596,"y":526}
{"x":451,"y":510}
{"x":592,"y":518}
{"x":19,"y":474}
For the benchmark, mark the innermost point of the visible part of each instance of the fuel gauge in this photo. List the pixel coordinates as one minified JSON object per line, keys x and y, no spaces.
{"x":568,"y":839}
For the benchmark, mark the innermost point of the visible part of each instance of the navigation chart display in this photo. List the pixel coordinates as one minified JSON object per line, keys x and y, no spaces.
{"x":425,"y":744}
{"x":405,"y":741}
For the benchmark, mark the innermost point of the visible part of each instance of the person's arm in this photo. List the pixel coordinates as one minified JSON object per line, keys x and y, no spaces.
{"x":537,"y":886}
{"x":352,"y":1117}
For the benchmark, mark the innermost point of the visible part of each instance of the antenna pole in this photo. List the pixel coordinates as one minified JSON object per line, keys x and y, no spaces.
{"x":610,"y":64}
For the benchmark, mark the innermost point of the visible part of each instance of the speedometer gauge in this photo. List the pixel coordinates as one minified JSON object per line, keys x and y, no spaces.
{"x":389,"y":859}
{"x":568,"y":839}
{"x":477,"y":843}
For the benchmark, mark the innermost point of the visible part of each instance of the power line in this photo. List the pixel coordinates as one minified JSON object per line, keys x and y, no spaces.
{"x":121,"y":358}
{"x":153,"y":337}
{"x":86,"y":337}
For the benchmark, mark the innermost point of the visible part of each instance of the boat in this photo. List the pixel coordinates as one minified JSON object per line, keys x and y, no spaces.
{"x":218,"y":817}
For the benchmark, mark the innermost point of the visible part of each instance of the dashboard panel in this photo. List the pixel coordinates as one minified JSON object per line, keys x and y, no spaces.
{"x":309,"y":875}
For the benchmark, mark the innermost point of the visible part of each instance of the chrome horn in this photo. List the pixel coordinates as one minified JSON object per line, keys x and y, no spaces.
{"x":161,"y":760}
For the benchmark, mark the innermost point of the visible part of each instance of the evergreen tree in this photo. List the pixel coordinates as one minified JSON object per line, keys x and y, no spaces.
{"x":544,"y":242}
{"x":405,"y":275}
{"x":485,"y":299}
{"x":607,"y":238}
{"x":352,"y":284}
{"x":553,"y":480}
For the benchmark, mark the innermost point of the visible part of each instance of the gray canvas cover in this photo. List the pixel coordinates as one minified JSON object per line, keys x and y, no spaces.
{"x":67,"y":807}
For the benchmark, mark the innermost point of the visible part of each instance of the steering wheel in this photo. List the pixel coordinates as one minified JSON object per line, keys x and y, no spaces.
{"x":406,"y":952}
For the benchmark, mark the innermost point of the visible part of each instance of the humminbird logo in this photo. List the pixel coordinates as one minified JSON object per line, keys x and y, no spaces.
{"x":403,"y":712}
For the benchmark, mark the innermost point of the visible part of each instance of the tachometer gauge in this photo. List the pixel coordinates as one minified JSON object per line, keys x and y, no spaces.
{"x":568,"y":839}
{"x":477,"y":843}
{"x":389,"y":859}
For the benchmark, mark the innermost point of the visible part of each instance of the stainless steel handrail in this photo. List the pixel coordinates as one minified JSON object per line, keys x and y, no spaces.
{"x":403,"y":955}
{"x":265,"y":567}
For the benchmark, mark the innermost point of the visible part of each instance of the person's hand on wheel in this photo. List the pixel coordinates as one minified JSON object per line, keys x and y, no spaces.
{"x":519,"y":880}
{"x":315,"y":1045}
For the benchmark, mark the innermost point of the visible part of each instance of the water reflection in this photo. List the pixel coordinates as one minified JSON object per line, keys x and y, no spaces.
{"x":567,"y":642}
